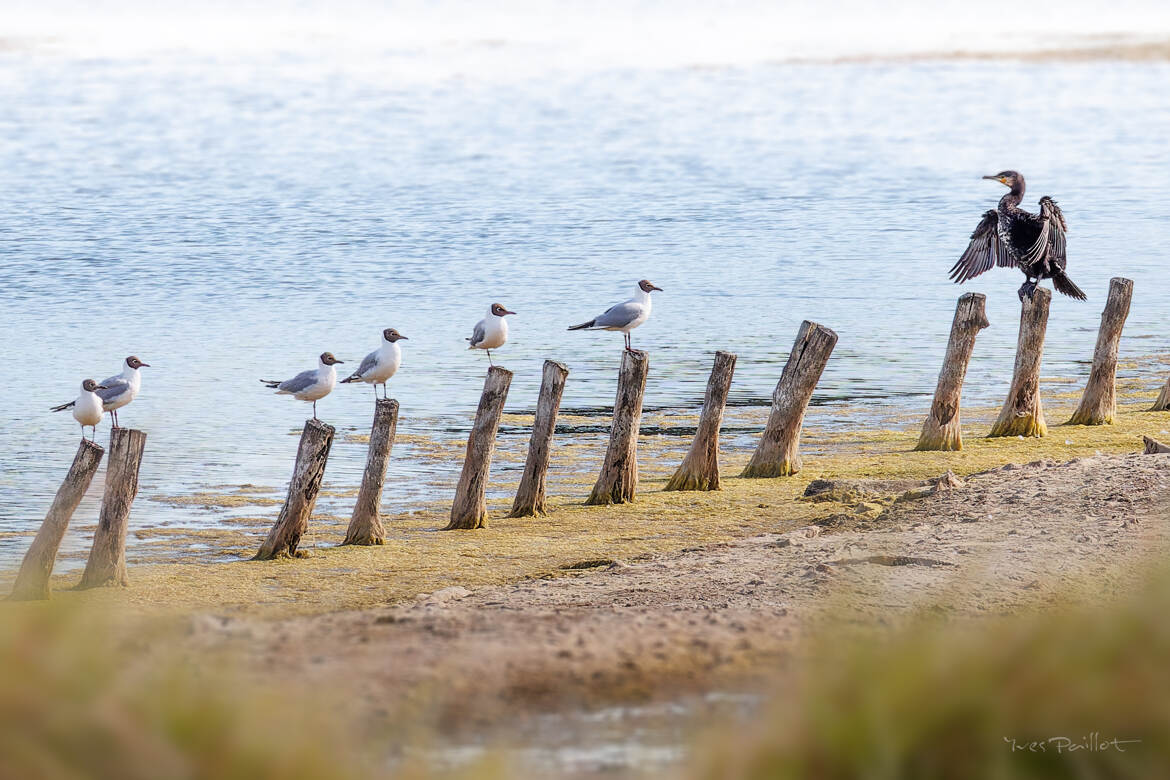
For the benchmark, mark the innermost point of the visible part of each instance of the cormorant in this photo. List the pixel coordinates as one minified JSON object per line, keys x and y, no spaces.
{"x":1008,"y":237}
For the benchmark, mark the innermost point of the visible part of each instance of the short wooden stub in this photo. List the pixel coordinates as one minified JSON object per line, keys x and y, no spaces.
{"x":469,"y":510}
{"x":700,"y":468}
{"x":1023,"y":413}
{"x":1163,"y":402}
{"x":530,"y":495}
{"x":33,"y":580}
{"x":365,"y":524}
{"x":1099,"y":401}
{"x":618,"y":481}
{"x":1154,"y":447}
{"x":941,"y":430}
{"x":107,"y":557}
{"x":308,"y":473}
{"x":778,"y":453}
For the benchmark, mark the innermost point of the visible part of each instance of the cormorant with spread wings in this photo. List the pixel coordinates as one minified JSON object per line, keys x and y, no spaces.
{"x":1010,"y":237}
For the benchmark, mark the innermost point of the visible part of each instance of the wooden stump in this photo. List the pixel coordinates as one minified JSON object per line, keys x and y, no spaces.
{"x":1099,"y":402}
{"x":618,"y":480}
{"x":1154,"y":447}
{"x":32,"y":582}
{"x":941,"y":430}
{"x":107,"y":557}
{"x":308,"y":473}
{"x":778,"y":453}
{"x":1163,"y":402}
{"x":365,"y":524}
{"x":700,"y":468}
{"x":469,"y":510}
{"x":530,"y":495}
{"x":1023,"y":413}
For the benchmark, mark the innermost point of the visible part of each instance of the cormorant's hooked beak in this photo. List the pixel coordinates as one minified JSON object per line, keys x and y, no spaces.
{"x":999,"y":179}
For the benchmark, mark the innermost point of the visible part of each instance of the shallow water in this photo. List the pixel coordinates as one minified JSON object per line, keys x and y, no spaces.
{"x":228,"y":214}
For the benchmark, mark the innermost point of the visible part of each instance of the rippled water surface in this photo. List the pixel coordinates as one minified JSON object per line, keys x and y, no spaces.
{"x":227,"y":217}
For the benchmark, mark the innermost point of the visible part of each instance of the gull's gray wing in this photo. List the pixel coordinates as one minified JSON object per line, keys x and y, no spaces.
{"x":301,"y":381}
{"x":368,"y":363}
{"x":114,"y":387}
{"x":478,"y":334}
{"x":620,"y":315}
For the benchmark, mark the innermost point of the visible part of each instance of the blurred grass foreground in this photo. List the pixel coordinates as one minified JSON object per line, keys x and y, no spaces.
{"x":1041,"y":694}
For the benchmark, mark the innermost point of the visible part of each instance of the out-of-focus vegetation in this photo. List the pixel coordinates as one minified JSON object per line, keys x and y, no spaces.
{"x":944,"y":699}
{"x":77,"y":703}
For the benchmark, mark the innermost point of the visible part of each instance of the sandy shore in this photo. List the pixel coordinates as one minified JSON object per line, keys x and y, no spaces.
{"x":727,"y":613}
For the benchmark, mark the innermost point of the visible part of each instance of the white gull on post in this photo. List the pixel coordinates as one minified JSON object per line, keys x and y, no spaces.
{"x":491,"y":332}
{"x":381,"y":364}
{"x":624,"y":316}
{"x":87,"y":407}
{"x":312,"y":385}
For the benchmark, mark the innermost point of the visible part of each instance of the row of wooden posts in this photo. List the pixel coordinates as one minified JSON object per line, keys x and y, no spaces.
{"x":777,"y":454}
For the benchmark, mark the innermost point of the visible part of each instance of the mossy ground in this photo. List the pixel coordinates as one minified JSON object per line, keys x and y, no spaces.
{"x":418,"y":558}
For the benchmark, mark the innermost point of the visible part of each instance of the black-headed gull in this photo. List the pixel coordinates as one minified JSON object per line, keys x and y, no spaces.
{"x":312,"y":385}
{"x":626,"y":315}
{"x":381,"y":364}
{"x":118,"y":390}
{"x":491,"y":332}
{"x":87,"y":407}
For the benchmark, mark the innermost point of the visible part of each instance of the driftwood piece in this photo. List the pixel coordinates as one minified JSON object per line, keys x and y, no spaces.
{"x":700,"y":468}
{"x":618,"y":480}
{"x":32,"y":582}
{"x":308,"y":473}
{"x":1154,"y":447}
{"x":1163,"y":402}
{"x":941,"y":430}
{"x":365,"y":524}
{"x":1099,"y":402}
{"x":1023,"y":412}
{"x":530,"y":495}
{"x":778,"y":453}
{"x":107,"y":557}
{"x":469,"y":510}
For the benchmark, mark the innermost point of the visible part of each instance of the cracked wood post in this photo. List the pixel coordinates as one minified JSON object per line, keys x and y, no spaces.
{"x":941,"y":430}
{"x":32,"y":582}
{"x":107,"y":557}
{"x":1099,"y":401}
{"x":618,"y":480}
{"x":1163,"y":402}
{"x":778,"y":453}
{"x":469,"y":510}
{"x":1023,"y":412}
{"x":365,"y":524}
{"x":1154,"y":447}
{"x":308,"y":473}
{"x":700,"y":468}
{"x":530,"y":495}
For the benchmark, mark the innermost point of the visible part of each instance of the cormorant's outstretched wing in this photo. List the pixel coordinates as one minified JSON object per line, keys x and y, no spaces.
{"x":1051,"y":238}
{"x":984,"y":252}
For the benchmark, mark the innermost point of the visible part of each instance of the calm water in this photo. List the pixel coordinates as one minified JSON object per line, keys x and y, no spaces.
{"x":227,"y":215}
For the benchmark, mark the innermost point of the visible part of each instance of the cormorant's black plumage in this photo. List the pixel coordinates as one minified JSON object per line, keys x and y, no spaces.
{"x":1008,"y":237}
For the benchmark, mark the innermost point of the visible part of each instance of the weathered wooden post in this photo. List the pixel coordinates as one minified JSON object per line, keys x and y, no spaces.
{"x":941,"y":430}
{"x":1163,"y":402}
{"x":32,"y":582}
{"x":365,"y":524}
{"x":1154,"y":447}
{"x":469,"y":510}
{"x":618,"y":480}
{"x":700,"y":468}
{"x":530,"y":495}
{"x":107,"y":557}
{"x":308,"y":472}
{"x":1023,"y":413}
{"x":778,"y":453}
{"x":1099,"y":402}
